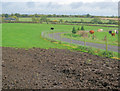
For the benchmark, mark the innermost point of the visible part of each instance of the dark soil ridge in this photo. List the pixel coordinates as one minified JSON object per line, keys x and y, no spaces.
{"x":57,"y":69}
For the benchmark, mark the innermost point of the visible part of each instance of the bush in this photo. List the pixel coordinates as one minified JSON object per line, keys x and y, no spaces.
{"x":82,"y":48}
{"x":107,"y":54}
{"x":82,"y":28}
{"x":112,"y":22}
{"x":78,"y":29}
{"x":73,"y":30}
{"x":90,"y":51}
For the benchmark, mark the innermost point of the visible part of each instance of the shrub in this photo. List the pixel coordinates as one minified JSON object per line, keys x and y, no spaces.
{"x":82,"y":28}
{"x":73,"y":30}
{"x":107,"y":54}
{"x":90,"y":51}
{"x":82,"y":48}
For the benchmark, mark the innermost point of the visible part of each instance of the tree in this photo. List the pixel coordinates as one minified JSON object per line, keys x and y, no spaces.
{"x":73,"y":30}
{"x":49,"y":16}
{"x":17,"y":14}
{"x":40,"y":21}
{"x":112,"y":16}
{"x":3,"y":15}
{"x":111,"y":22}
{"x":82,"y":28}
{"x":44,"y":19}
{"x":88,"y":15}
{"x":54,"y":15}
{"x":78,"y":29}
{"x":17,"y":19}
{"x":24,"y":15}
{"x":12,"y":14}
{"x":36,"y":15}
{"x":6,"y":15}
{"x":66,"y":21}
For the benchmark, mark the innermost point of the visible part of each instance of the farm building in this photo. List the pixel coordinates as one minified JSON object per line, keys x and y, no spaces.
{"x":10,"y":19}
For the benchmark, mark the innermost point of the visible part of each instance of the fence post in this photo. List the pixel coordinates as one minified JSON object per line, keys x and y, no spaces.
{"x":84,"y":42}
{"x":71,"y":39}
{"x":106,"y":43}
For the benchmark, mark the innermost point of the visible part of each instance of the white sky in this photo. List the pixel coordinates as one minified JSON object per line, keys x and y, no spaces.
{"x":61,"y":1}
{"x":64,"y":1}
{"x":94,"y":7}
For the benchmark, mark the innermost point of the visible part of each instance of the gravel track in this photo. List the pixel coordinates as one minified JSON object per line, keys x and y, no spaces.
{"x":56,"y":36}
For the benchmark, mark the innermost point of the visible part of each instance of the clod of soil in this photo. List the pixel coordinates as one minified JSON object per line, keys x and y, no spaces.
{"x":57,"y":68}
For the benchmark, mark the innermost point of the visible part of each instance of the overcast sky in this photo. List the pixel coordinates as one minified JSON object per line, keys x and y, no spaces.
{"x":69,"y":7}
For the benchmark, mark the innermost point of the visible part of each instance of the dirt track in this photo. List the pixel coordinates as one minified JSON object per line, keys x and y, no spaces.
{"x":54,"y":68}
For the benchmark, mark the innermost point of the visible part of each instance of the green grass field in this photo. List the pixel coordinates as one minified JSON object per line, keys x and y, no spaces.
{"x":28,"y":35}
{"x":25,"y":36}
{"x":25,"y":19}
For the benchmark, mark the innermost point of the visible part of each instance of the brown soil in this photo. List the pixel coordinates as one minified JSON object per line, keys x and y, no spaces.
{"x":57,"y":68}
{"x":110,"y":19}
{"x":83,"y":33}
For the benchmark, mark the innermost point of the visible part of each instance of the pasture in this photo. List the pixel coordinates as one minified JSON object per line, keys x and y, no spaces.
{"x":28,"y":35}
{"x":64,"y":19}
{"x":25,"y":35}
{"x":25,"y":19}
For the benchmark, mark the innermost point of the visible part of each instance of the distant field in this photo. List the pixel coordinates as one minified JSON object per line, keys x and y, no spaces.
{"x":72,"y":19}
{"x":109,"y":18}
{"x":28,"y":35}
{"x":25,"y":19}
{"x":64,"y":19}
{"x":105,"y":24}
{"x":76,"y":19}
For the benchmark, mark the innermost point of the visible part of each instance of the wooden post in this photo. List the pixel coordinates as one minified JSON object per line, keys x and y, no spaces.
{"x":71,"y":39}
{"x":60,"y":38}
{"x":84,"y":42}
{"x":106,"y":43}
{"x":52,"y":35}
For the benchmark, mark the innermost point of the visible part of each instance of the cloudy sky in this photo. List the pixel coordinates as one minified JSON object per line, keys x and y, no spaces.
{"x":69,"y":7}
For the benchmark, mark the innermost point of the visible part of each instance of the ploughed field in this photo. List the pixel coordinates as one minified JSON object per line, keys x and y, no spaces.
{"x":56,"y":68}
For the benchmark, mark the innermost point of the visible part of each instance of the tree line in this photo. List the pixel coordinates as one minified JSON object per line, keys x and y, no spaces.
{"x":55,"y":15}
{"x":44,"y":18}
